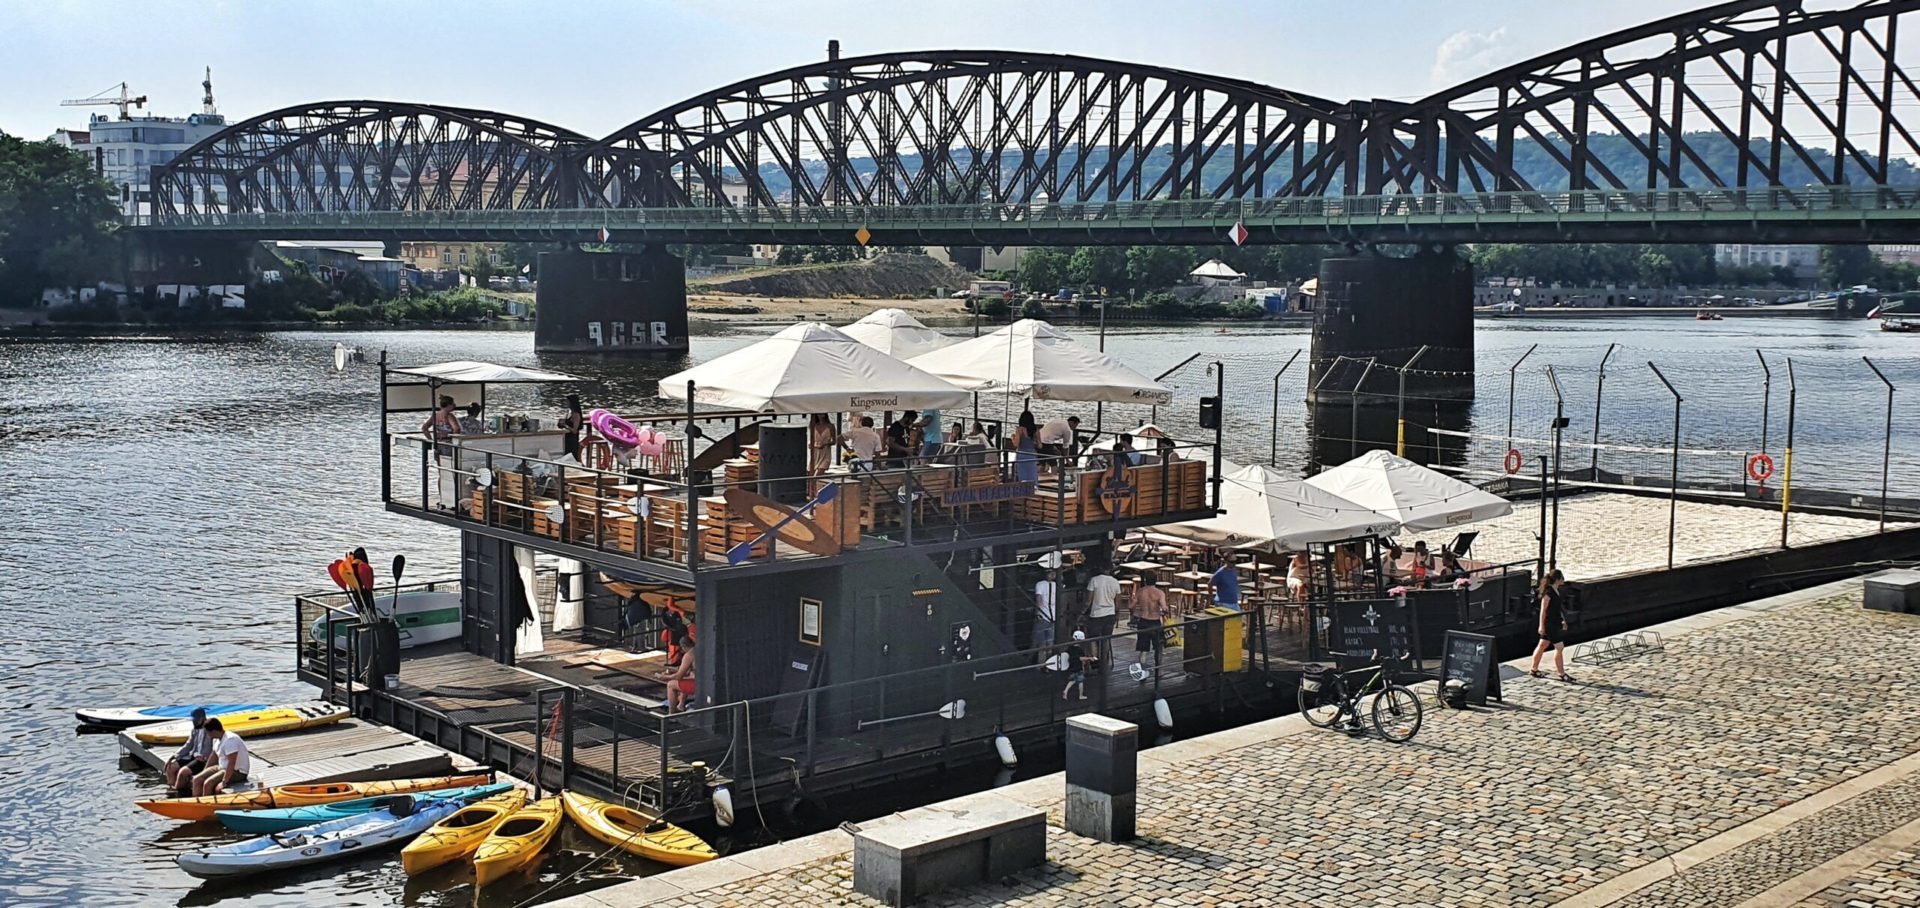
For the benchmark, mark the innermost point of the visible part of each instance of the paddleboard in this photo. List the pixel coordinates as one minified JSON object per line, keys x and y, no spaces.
{"x":128,"y":717}
{"x":340,"y":357}
{"x":251,"y":724}
{"x":424,"y":616}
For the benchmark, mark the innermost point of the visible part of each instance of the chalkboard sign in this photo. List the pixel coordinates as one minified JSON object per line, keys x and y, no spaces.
{"x":1470,"y":658}
{"x":1368,"y":631}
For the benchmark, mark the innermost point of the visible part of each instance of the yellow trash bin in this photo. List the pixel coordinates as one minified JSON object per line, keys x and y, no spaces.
{"x":1222,"y":642}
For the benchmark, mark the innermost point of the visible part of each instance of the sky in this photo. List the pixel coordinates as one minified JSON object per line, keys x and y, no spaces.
{"x":596,"y":65}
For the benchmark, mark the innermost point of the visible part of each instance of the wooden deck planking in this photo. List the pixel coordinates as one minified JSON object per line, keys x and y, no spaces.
{"x":346,"y":751}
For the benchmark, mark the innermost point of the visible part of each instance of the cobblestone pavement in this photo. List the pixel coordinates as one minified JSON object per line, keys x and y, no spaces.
{"x":1521,"y":805}
{"x":1760,"y":865}
{"x":1892,"y":883}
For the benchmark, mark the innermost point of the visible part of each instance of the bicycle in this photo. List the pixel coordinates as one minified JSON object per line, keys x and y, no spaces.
{"x":1325,"y":697}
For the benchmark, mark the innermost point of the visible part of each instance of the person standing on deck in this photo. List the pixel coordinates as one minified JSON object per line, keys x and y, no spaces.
{"x":231,"y":762}
{"x":441,"y":427}
{"x":1149,"y":611}
{"x":1078,"y":661}
{"x":1226,"y":583}
{"x":819,"y":444}
{"x":1553,"y":624}
{"x":191,"y":758}
{"x":572,"y":424}
{"x":1025,"y":467}
{"x":1102,"y":593}
{"x":929,"y":434}
{"x":1046,"y":601}
{"x":1057,"y":438}
{"x":866,"y":444}
{"x":680,"y":679}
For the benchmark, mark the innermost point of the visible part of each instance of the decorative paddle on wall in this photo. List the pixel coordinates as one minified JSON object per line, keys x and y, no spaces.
{"x":774,"y":520}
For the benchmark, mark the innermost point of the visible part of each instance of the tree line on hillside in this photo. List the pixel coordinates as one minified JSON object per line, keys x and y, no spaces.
{"x":1596,"y":264}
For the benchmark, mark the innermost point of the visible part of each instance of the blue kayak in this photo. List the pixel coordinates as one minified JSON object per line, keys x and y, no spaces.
{"x":129,"y":717}
{"x":281,"y":819}
{"x":390,"y":828}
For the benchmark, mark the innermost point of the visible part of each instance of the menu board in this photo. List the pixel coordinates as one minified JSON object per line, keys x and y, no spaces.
{"x":1370,"y":630}
{"x":1469,"y":658}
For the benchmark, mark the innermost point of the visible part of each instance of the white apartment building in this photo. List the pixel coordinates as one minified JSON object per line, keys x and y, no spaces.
{"x":1804,"y":259}
{"x":125,"y":152}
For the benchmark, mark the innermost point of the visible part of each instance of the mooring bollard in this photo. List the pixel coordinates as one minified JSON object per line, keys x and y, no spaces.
{"x":1102,"y":767}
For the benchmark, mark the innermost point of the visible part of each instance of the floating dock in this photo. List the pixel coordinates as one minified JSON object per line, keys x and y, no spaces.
{"x":346,"y":751}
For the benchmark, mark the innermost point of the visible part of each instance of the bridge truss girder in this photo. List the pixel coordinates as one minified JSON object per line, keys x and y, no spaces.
{"x":350,"y":156}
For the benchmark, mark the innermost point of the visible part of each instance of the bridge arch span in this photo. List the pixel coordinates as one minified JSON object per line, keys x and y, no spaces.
{"x":957,"y":126}
{"x":373,"y":156}
{"x":1748,"y":93}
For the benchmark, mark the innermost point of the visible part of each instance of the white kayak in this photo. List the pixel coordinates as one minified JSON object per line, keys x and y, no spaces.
{"x":130,"y":716}
{"x":321,"y":842}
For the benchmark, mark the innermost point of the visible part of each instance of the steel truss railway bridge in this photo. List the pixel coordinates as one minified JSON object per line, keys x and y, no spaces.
{"x":1754,"y":120}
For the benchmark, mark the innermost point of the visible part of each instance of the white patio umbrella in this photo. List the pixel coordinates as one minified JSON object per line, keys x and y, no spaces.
{"x":812,"y":368}
{"x":1265,"y":511}
{"x":897,"y":334}
{"x":1031,"y":358}
{"x":1415,"y":497}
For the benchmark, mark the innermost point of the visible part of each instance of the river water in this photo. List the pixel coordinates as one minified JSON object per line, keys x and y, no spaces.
{"x":163,"y":498}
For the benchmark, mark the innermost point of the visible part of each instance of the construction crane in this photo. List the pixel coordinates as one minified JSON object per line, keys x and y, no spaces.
{"x":102,"y":99}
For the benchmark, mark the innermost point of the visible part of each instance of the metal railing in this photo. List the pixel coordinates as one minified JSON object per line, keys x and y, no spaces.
{"x":953,"y":711}
{"x":1810,"y":202}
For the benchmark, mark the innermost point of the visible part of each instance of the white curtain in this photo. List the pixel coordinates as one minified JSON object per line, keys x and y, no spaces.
{"x":526,"y":639}
{"x":570,"y":595}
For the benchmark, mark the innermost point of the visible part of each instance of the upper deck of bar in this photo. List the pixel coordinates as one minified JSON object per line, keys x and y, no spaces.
{"x":656,"y":513}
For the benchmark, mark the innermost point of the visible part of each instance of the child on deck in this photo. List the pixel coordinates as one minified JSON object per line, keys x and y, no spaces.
{"x":1078,"y":661}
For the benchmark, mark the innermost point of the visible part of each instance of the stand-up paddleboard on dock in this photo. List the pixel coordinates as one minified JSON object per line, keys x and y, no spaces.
{"x":130,"y":716}
{"x":248,"y":724}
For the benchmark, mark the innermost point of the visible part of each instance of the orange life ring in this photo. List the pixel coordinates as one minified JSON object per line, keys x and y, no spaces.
{"x":1760,"y":467}
{"x":1513,"y":461}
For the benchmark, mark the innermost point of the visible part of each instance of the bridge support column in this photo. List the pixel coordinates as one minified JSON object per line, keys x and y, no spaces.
{"x":611,"y":302}
{"x":1380,"y":310}
{"x":188,"y":261}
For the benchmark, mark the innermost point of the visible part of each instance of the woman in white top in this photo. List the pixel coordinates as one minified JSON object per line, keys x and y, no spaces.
{"x":1299,"y":576}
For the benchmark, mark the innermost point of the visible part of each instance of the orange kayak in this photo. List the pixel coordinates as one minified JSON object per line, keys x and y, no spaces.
{"x":194,"y":809}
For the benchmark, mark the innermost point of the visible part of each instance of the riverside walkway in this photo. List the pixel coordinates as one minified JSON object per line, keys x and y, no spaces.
{"x":1767,"y":754}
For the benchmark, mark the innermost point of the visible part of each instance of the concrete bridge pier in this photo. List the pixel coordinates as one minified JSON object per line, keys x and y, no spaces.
{"x":199,"y":262}
{"x":1374,"y":312}
{"x":611,"y":302}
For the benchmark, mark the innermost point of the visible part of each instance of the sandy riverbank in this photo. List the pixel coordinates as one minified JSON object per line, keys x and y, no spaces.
{"x":731,"y":308}
{"x":1603,"y":534}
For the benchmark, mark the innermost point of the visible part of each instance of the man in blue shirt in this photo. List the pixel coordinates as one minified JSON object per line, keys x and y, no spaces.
{"x":1226,"y":583}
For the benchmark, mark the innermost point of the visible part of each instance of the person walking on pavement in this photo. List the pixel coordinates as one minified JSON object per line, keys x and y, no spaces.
{"x":1553,"y":624}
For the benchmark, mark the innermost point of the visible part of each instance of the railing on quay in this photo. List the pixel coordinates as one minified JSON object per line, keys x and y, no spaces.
{"x":1813,"y":202}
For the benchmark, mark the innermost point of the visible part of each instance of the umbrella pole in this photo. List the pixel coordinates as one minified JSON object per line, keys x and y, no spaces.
{"x":693,"y":497}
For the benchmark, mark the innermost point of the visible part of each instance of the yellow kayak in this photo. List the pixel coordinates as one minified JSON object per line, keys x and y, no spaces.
{"x":459,"y":835}
{"x":636,"y":832}
{"x":250,"y":724}
{"x":203,"y":808}
{"x":517,"y":841}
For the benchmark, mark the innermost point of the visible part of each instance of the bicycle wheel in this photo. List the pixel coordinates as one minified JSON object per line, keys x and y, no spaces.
{"x":1322,"y":705}
{"x":1396,"y":713}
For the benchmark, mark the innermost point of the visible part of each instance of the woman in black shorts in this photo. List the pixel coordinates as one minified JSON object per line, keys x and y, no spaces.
{"x":1553,"y":624}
